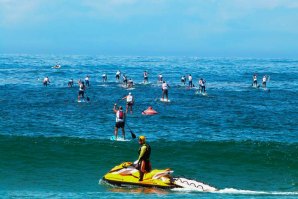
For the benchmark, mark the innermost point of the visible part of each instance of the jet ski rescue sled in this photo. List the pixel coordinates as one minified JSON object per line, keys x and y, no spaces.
{"x":126,"y":174}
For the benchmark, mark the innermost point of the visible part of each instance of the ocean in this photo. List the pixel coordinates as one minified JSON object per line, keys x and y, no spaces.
{"x":239,"y":139}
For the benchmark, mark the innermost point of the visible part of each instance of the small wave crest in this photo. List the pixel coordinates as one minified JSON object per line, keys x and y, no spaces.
{"x":251,"y":192}
{"x":231,"y":191}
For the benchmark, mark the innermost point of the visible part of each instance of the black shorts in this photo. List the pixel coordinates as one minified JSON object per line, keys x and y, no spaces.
{"x":129,"y":103}
{"x":165,"y":91}
{"x":146,"y":164}
{"x":120,"y":125}
{"x":81,"y":93}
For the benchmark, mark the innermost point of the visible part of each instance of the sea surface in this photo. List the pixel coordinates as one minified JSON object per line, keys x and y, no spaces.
{"x":239,"y":139}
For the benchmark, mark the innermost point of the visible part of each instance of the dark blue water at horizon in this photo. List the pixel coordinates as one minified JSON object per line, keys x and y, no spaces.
{"x":236,"y":137}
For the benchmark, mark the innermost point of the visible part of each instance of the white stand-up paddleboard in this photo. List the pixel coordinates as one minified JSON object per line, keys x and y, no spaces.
{"x":254,"y":86}
{"x":127,"y":88}
{"x":201,"y":93}
{"x":113,"y":138}
{"x":165,"y":100}
{"x":81,"y":101}
{"x":57,"y":66}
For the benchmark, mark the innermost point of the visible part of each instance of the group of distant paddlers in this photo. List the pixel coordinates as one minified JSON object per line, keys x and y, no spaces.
{"x":128,"y":84}
{"x":265,"y":79}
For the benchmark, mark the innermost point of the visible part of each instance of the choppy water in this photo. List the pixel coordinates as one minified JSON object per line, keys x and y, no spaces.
{"x":241,"y":140}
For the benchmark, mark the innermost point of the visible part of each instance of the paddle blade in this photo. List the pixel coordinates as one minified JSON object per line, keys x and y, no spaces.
{"x":133,"y":135}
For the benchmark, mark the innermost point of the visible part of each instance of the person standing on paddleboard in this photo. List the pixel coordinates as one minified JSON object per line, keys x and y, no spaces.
{"x":129,"y":102}
{"x":104,"y":77}
{"x":129,"y":83}
{"x":120,"y":121}
{"x":87,"y":81}
{"x":82,"y":88}
{"x":160,"y":77}
{"x":202,"y":83}
{"x":190,"y":81}
{"x":183,"y":79}
{"x":255,"y":80}
{"x":70,"y":83}
{"x":164,"y":88}
{"x":124,"y":80}
{"x":46,"y":81}
{"x":118,"y":73}
{"x":143,"y":162}
{"x":145,"y":77}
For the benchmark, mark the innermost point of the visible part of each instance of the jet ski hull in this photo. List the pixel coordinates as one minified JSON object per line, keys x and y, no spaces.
{"x":127,"y":175}
{"x":125,"y":184}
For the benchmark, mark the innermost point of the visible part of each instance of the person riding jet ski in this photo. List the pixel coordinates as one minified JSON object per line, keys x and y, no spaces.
{"x":140,"y":173}
{"x":143,"y":162}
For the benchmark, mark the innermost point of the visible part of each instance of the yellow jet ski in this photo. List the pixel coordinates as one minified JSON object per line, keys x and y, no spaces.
{"x":126,"y":174}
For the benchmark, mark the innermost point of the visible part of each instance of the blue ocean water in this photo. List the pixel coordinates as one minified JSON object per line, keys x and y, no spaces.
{"x":239,"y":139}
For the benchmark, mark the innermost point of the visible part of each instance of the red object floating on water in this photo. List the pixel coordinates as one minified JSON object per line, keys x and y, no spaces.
{"x":149,"y":111}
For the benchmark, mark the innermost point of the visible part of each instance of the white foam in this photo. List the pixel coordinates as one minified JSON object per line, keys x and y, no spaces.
{"x":250,"y":192}
{"x":235,"y":191}
{"x":195,"y":186}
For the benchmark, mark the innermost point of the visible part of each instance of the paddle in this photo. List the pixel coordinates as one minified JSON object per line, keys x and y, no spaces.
{"x":132,"y":134}
{"x":118,"y":100}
